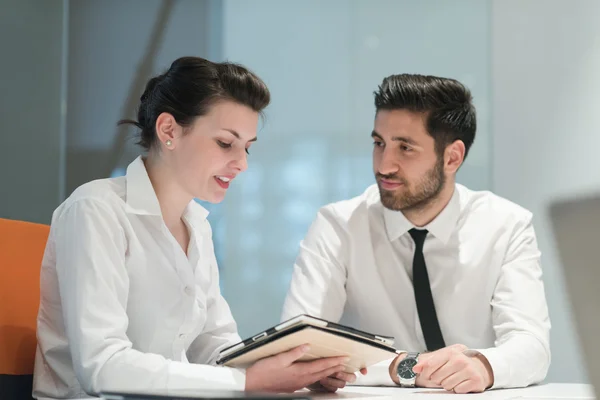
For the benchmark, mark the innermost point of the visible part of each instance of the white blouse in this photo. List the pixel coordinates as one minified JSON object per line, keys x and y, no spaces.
{"x":122,"y":306}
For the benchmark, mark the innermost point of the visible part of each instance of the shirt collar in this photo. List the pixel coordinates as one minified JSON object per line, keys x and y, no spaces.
{"x":441,"y":227}
{"x":141,"y":197}
{"x":195,"y":212}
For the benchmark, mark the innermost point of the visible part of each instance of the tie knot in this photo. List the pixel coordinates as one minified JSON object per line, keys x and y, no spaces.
{"x":418,"y":236}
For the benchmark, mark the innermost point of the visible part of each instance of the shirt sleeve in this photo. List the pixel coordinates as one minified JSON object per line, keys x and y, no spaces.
{"x":318,"y":286}
{"x":521,"y":355}
{"x":94,"y":284}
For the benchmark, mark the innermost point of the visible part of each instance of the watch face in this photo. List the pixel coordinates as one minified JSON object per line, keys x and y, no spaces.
{"x":405,"y":368}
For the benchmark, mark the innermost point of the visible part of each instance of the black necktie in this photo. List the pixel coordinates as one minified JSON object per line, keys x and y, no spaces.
{"x":425,"y":307}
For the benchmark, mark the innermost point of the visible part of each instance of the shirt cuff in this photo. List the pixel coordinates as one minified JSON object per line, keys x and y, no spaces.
{"x":377,"y":375}
{"x":186,"y":378}
{"x":500,"y":367}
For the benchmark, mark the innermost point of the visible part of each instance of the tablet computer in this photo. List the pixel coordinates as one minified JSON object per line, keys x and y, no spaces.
{"x":326,"y":339}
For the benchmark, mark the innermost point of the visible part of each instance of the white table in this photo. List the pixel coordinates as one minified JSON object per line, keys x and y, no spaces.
{"x":551,"y":391}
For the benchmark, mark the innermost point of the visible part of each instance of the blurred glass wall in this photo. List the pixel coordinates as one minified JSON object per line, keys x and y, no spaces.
{"x":322,"y":61}
{"x":70,"y":70}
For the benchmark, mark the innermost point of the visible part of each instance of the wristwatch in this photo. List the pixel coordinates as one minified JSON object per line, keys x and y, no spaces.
{"x":404,"y":371}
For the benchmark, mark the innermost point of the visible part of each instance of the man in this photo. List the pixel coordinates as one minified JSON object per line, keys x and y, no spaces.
{"x":446,"y":270}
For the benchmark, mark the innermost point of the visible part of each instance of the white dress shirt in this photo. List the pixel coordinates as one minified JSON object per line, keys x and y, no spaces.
{"x":122,"y":306}
{"x":355,"y":266}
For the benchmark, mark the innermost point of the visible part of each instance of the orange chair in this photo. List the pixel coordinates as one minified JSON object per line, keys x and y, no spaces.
{"x":22,"y":247}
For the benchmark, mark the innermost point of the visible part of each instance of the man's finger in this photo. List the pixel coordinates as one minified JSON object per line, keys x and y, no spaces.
{"x":434,"y":357}
{"x":430,"y":369}
{"x":468,"y":386}
{"x":423,"y":362}
{"x":428,"y":366}
{"x":363,"y":371}
{"x":459,"y":364}
{"x":452,"y":380}
{"x":459,"y":347}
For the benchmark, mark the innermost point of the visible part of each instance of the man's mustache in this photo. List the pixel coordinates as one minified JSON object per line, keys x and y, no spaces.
{"x":389,"y":177}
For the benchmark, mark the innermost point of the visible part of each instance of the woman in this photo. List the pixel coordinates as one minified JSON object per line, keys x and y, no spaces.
{"x":130,"y":296}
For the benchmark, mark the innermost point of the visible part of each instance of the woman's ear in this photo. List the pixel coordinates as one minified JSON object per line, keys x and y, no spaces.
{"x":166,"y":130}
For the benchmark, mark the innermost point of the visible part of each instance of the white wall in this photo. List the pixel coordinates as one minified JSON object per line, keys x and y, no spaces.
{"x":30,"y":108}
{"x":322,"y":61}
{"x":545,"y":91}
{"x":108,"y":41}
{"x":546,"y":130}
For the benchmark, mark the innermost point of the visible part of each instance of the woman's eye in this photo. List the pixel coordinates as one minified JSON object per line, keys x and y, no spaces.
{"x":223,"y":144}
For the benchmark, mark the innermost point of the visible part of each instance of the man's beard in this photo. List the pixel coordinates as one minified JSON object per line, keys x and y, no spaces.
{"x":426,"y":190}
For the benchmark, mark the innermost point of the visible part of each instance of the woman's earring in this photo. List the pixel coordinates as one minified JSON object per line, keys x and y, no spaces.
{"x":168,"y":143}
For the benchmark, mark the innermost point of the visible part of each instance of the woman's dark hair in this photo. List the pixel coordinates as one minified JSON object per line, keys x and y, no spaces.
{"x":190,"y":87}
{"x":446,"y":103}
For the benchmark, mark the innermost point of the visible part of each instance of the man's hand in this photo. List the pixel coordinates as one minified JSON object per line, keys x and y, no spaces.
{"x":419,"y":382}
{"x":335,"y":381}
{"x":456,"y":369}
{"x":453,"y":368}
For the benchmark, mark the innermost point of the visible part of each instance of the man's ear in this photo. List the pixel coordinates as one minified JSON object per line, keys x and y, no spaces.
{"x":454,"y":155}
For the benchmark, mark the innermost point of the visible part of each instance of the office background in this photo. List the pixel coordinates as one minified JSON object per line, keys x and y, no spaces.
{"x":71,"y":69}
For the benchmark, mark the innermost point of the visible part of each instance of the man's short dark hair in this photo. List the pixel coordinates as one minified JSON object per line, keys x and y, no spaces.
{"x":446,"y":103}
